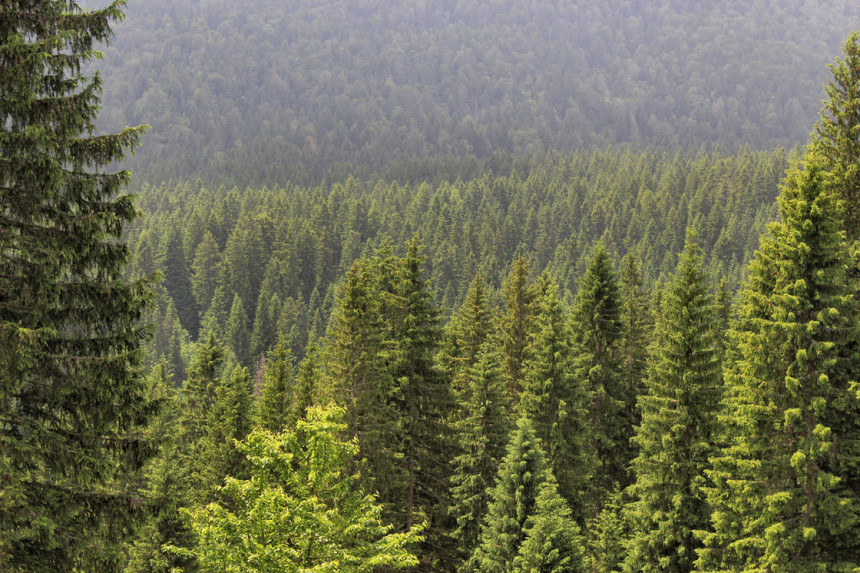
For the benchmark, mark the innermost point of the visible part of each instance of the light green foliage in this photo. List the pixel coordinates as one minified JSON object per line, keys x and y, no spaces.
{"x":516,"y":324}
{"x":835,"y":141}
{"x":679,"y":425}
{"x":783,"y":500}
{"x":299,"y":511}
{"x":73,"y":404}
{"x":528,"y":525}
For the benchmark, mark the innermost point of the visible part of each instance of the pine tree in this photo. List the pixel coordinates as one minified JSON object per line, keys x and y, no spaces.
{"x":482,"y":433}
{"x":679,"y":424}
{"x":784,"y":495}
{"x":73,"y":399}
{"x":517,"y":526}
{"x":515,"y":325}
{"x":424,"y":399}
{"x":236,"y":332}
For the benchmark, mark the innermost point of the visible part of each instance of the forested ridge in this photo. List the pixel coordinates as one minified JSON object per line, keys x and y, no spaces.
{"x":262,"y":93}
{"x":434,"y":286}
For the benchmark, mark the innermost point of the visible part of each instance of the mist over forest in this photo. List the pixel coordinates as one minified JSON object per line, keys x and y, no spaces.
{"x":276,"y":91}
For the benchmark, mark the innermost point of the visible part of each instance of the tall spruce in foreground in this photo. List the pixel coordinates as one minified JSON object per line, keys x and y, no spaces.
{"x":72,"y":399}
{"x":679,"y":422}
{"x":835,"y":139}
{"x":782,"y":499}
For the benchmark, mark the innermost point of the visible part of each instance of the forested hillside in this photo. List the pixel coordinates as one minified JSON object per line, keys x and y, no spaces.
{"x":267,"y":92}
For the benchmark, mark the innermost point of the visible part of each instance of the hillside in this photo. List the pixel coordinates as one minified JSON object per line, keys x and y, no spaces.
{"x":272,"y":91}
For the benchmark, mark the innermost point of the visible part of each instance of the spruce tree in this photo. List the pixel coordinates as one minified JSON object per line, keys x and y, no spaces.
{"x":72,"y":398}
{"x":276,"y":405}
{"x":679,"y":422}
{"x":597,"y":335}
{"x":482,"y":433}
{"x":835,"y":140}
{"x":784,"y":495}
{"x":554,"y":399}
{"x":515,"y":325}
{"x":517,"y":528}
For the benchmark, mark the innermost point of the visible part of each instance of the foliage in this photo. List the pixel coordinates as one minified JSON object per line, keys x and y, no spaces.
{"x":73,"y":402}
{"x":299,"y":510}
{"x":782,"y":497}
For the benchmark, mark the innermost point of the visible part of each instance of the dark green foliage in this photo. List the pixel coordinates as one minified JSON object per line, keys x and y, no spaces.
{"x":73,"y":402}
{"x":482,"y":432}
{"x":276,"y":407}
{"x":784,"y":496}
{"x":516,"y":325}
{"x":555,"y":400}
{"x":679,"y":425}
{"x":597,"y":338}
{"x":237,"y":334}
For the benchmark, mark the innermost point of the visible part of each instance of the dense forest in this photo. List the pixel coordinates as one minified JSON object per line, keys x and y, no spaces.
{"x":302,"y":91}
{"x":443,"y":285}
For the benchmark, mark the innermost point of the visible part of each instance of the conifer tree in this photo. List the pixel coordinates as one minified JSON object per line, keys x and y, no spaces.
{"x":597,"y":333}
{"x":835,"y":139}
{"x":276,"y":405}
{"x":423,"y":398}
{"x":784,"y":496}
{"x":554,"y":399}
{"x":515,"y":325}
{"x":516,"y":524}
{"x":482,"y":433}
{"x":679,"y":423}
{"x":237,"y":335}
{"x":72,"y":398}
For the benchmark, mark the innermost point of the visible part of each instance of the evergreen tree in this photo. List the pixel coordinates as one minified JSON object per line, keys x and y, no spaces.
{"x":72,"y":399}
{"x":236,"y":332}
{"x":482,"y":433}
{"x":423,"y":398}
{"x":308,"y":375}
{"x":515,"y":325}
{"x":554,"y":399}
{"x":597,"y":334}
{"x":679,"y":423}
{"x":518,"y":532}
{"x":835,"y":139}
{"x":276,"y":405}
{"x":784,"y":496}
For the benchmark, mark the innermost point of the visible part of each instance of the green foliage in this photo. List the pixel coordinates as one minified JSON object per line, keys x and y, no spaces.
{"x":299,"y":511}
{"x":276,"y":408}
{"x":782,"y":499}
{"x":73,"y":403}
{"x":679,"y":425}
{"x":597,"y":338}
{"x":482,"y":432}
{"x":555,"y":400}
{"x":835,"y":140}
{"x":318,"y":90}
{"x":521,"y":533}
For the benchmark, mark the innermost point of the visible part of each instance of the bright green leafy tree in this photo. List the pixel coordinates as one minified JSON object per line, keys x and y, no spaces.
{"x":300,"y":510}
{"x":72,"y":399}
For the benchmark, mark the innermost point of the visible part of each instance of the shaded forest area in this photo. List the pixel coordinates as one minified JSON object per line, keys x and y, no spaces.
{"x":302,"y":91}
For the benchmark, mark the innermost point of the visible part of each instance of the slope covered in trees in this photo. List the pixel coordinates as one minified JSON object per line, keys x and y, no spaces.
{"x":272,"y":91}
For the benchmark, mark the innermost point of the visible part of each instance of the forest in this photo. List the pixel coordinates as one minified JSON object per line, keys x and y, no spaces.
{"x":446,"y":286}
